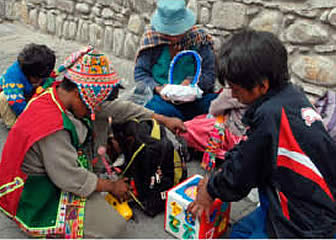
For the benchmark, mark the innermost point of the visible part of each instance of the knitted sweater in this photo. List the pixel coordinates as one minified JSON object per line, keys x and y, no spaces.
{"x":15,"y":86}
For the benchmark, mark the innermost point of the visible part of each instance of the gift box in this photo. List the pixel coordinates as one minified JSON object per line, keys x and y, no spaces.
{"x":178,"y":221}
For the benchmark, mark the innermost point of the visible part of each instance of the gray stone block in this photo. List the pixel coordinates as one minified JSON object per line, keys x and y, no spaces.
{"x":332,"y":17}
{"x":2,"y":8}
{"x":33,"y":17}
{"x":136,"y":24}
{"x":36,"y":2}
{"x":229,"y":16}
{"x":107,"y":13}
{"x":131,"y":45}
{"x":305,"y":32}
{"x":108,"y":39}
{"x":321,"y":4}
{"x":83,"y":31}
{"x":325,"y":48}
{"x":204,"y":16}
{"x":72,"y":30}
{"x":83,"y":8}
{"x":65,"y":5}
{"x":96,"y":36}
{"x":318,"y":70}
{"x":51,"y":25}
{"x":269,"y":21}
{"x":42,"y":21}
{"x":142,"y":6}
{"x":118,"y":41}
{"x":59,"y":25}
{"x":51,"y":4}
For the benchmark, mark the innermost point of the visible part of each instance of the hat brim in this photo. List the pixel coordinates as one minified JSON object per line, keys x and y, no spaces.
{"x":174,"y":29}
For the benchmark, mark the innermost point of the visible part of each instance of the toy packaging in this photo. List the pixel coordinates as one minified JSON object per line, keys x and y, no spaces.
{"x":178,"y":221}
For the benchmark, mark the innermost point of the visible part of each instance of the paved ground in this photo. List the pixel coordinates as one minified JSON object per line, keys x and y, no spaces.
{"x":13,"y":38}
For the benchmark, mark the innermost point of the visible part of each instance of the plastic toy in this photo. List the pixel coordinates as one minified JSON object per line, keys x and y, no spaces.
{"x":180,"y":223}
{"x":122,"y":207}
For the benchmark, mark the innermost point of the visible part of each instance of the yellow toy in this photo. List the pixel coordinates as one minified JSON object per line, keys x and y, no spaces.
{"x":176,"y":209}
{"x":122,"y":208}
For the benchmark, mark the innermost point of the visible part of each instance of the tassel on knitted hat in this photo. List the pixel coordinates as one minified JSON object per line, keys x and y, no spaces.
{"x":93,"y":75}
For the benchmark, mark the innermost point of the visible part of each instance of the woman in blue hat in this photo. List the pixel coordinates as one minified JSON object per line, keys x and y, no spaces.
{"x":172,"y":30}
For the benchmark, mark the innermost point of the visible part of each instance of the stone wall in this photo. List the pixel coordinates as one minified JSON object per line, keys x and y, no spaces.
{"x":307,"y":27}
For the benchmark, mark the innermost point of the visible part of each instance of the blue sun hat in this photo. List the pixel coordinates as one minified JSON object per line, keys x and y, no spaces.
{"x":172,"y":17}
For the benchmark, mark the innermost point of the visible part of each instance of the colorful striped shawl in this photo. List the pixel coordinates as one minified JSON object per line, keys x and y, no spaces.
{"x":194,"y":37}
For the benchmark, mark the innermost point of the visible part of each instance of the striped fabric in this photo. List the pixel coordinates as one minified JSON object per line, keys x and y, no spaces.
{"x":194,"y":37}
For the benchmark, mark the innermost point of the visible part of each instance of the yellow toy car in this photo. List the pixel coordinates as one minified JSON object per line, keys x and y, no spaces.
{"x":122,"y":208}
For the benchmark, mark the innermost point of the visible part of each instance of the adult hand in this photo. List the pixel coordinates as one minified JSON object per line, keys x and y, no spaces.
{"x":176,"y":125}
{"x":203,"y":201}
{"x":120,"y":189}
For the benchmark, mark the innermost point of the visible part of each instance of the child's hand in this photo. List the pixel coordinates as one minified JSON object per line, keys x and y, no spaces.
{"x":120,"y":189}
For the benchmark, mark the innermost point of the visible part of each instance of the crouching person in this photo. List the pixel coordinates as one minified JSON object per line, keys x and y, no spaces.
{"x":288,"y":155}
{"x":46,"y":183}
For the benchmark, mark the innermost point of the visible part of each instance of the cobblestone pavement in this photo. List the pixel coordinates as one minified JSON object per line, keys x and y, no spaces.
{"x":13,"y":38}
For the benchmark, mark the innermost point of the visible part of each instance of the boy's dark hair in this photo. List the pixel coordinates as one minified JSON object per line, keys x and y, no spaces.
{"x":36,"y":60}
{"x":250,"y":57}
{"x":68,"y":85}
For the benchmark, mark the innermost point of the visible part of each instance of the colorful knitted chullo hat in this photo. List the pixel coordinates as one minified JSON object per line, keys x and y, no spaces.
{"x":93,"y":75}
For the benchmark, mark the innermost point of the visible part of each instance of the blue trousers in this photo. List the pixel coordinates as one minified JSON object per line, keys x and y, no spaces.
{"x":251,"y":226}
{"x":254,"y":224}
{"x":186,"y":111}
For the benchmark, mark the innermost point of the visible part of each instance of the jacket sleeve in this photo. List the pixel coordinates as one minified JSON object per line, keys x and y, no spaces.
{"x":60,"y":162}
{"x":14,"y":93}
{"x":245,"y":166}
{"x":121,"y":111}
{"x":207,"y":79}
{"x":143,"y":69}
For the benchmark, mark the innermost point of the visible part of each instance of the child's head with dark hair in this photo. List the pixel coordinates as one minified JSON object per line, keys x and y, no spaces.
{"x":36,"y":61}
{"x":250,"y":57}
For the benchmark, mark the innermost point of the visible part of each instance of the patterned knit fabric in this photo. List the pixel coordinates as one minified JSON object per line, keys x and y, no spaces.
{"x":94,"y":76}
{"x":194,"y":37}
{"x":220,"y":140}
{"x":15,"y":86}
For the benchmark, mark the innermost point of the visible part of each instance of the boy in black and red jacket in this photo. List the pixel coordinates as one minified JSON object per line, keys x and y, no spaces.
{"x":288,"y":156}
